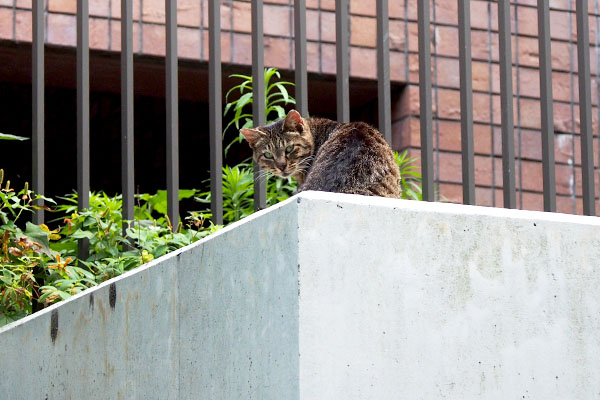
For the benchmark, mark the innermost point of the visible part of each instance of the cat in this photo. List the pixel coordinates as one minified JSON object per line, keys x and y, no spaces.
{"x":326,"y":155}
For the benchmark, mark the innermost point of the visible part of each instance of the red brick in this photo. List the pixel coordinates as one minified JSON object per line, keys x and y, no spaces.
{"x":116,"y":9}
{"x":401,"y":134}
{"x":561,"y":86}
{"x":450,"y":193}
{"x":23,"y":22}
{"x":482,"y":139}
{"x":6,"y":28}
{"x":363,"y":62}
{"x":99,"y":8}
{"x":452,"y":167}
{"x":446,"y":12}
{"x":527,"y":20}
{"x":413,"y":37}
{"x":559,"y":26}
{"x":397,"y":67}
{"x":532,"y":201}
{"x":98,"y":32}
{"x":363,"y":31}
{"x":530,"y":113}
{"x":226,"y":16}
{"x":483,"y":171}
{"x":448,"y":72}
{"x":242,"y":49}
{"x":153,"y":39}
{"x":397,"y":39}
{"x":488,"y":197}
{"x":115,"y":44}
{"x":560,"y":58}
{"x":529,"y":82}
{"x":529,"y":175}
{"x":225,"y":48}
{"x":153,"y":11}
{"x":277,"y":52}
{"x":446,"y":38}
{"x":528,"y":52}
{"x":62,"y":29}
{"x":23,"y":4}
{"x":479,"y":15}
{"x":188,"y":43}
{"x":328,"y":65}
{"x":396,"y":9}
{"x":480,"y":46}
{"x":565,"y":204}
{"x":241,"y":13}
{"x":362,"y":7}
{"x":62,"y":6}
{"x":449,"y":135}
{"x":312,"y":57}
{"x":282,"y":17}
{"x":312,"y":25}
{"x":413,"y":68}
{"x":188,"y":12}
{"x":327,"y":27}
{"x":325,"y":4}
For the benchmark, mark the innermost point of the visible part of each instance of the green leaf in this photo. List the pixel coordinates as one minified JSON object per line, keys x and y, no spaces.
{"x":35,"y":233}
{"x":4,"y":136}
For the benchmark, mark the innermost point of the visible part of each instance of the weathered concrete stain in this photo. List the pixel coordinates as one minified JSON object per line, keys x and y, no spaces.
{"x":54,"y":326}
{"x":112,"y":295}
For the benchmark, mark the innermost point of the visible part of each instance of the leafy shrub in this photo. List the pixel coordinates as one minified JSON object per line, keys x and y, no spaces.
{"x":41,"y":266}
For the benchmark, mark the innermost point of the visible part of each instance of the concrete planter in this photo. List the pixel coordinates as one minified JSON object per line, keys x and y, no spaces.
{"x":334,"y":296}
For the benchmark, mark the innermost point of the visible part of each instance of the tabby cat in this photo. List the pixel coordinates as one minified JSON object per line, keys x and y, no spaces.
{"x":326,"y":155}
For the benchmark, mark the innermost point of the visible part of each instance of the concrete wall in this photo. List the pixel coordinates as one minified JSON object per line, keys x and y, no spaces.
{"x":218,"y":320}
{"x":335,"y":296}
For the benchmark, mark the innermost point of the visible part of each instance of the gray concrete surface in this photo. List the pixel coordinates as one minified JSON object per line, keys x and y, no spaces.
{"x":216,"y":320}
{"x":334,"y":296}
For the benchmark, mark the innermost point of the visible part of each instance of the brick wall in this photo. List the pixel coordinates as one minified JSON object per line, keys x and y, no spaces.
{"x":15,"y":25}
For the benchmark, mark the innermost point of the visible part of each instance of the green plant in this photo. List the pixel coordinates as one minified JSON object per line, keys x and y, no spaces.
{"x":40,"y":266}
{"x":4,"y":136}
{"x":276,"y":95}
{"x":410,"y":181}
{"x":238,"y":192}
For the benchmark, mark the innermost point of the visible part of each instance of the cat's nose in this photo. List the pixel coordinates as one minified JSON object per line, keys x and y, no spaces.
{"x":281,"y":165}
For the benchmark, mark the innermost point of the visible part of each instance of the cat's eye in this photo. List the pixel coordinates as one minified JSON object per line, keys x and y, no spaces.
{"x":268,"y":155}
{"x":289,"y":149}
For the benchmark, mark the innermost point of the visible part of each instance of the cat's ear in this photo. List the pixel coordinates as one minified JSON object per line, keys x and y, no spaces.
{"x":251,"y":135}
{"x":293,"y":121}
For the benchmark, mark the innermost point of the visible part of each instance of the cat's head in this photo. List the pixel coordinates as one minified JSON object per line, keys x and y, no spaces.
{"x":284,"y":147}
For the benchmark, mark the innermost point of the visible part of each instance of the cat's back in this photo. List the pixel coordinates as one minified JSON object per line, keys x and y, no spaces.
{"x":353,"y":158}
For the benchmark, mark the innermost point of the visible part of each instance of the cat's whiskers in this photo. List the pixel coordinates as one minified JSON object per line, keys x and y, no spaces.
{"x":263,"y":175}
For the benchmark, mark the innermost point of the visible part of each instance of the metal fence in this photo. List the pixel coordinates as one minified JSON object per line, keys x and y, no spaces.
{"x":342,"y":92}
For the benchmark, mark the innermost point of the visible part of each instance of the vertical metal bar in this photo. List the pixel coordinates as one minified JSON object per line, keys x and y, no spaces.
{"x":172,"y":115}
{"x":425,"y":100}
{"x":585,"y":108}
{"x":383,"y":71}
{"x":546,"y":106}
{"x":215,"y":104}
{"x":127,"y":161}
{"x":342,"y":17}
{"x":300,"y":49}
{"x":83,"y":115}
{"x":37,"y":96}
{"x":258,"y":94}
{"x":466,"y":101}
{"x":506,"y":102}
